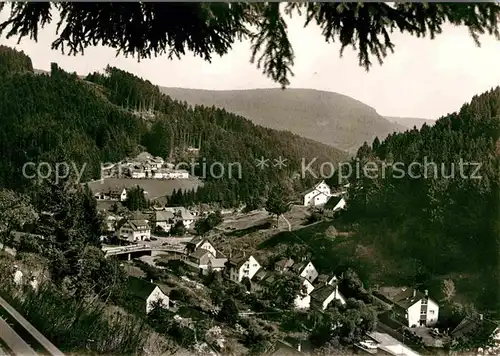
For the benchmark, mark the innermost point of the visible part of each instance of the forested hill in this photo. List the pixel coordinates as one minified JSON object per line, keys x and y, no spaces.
{"x":60,"y":117}
{"x":448,"y":222}
{"x":327,"y":117}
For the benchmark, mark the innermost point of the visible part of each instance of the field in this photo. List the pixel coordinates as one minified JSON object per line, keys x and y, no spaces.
{"x":155,"y":188}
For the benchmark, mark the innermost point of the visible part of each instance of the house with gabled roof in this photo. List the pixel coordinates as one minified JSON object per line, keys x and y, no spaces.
{"x":282,"y":348}
{"x":322,"y":297}
{"x":318,"y":195}
{"x":242,"y":266}
{"x":134,"y":230}
{"x":146,"y":295}
{"x":305,"y":270}
{"x":199,"y":242}
{"x":411,"y":306}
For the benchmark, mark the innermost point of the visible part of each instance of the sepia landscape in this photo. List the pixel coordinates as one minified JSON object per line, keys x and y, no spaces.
{"x":142,"y":214}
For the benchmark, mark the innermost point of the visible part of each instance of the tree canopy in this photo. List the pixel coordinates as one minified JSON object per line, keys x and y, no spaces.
{"x":152,"y":29}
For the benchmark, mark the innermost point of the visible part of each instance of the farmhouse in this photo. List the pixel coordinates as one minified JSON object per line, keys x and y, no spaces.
{"x":323,"y":296}
{"x":134,"y":230}
{"x":318,"y":195}
{"x":411,"y":306}
{"x":145,"y":295}
{"x":306,"y":270}
{"x":241,"y":267}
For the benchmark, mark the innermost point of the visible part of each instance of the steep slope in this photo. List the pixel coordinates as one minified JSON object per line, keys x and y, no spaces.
{"x":59,"y":117}
{"x":327,"y":117}
{"x":410,"y":122}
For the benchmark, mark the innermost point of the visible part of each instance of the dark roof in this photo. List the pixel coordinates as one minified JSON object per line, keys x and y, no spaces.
{"x":473,"y":324}
{"x":238,"y":260}
{"x":282,"y":348}
{"x":322,"y":293}
{"x":332,"y":202}
{"x":140,"y":288}
{"x":116,"y":190}
{"x":403,"y":297}
{"x":322,"y":278}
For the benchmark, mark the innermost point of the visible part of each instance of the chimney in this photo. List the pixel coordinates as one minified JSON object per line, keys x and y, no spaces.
{"x":243,"y":253}
{"x":426,"y":293}
{"x":299,"y":347}
{"x":414,"y":293}
{"x":481,"y":317}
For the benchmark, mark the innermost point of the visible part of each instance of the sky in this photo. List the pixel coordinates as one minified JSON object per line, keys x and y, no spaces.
{"x":423,"y":78}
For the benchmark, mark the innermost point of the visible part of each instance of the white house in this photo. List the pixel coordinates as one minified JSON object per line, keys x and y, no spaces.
{"x":413,"y":306}
{"x":323,"y":296}
{"x":318,"y":195}
{"x":147,"y":295}
{"x":134,"y":230}
{"x":306,"y":270}
{"x":307,"y":286}
{"x":241,"y":267}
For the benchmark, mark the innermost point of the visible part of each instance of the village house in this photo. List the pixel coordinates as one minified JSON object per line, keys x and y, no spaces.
{"x":305,"y":270}
{"x":182,"y":214}
{"x":146,"y":295}
{"x":283,"y":265}
{"x":318,"y":195}
{"x":216,"y":265}
{"x":411,"y":306}
{"x":201,"y":254}
{"x":322,"y":297}
{"x":199,"y":259}
{"x":134,"y":230}
{"x":242,"y":266}
{"x":163,"y":220}
{"x":113,"y":194}
{"x":282,"y":348}
{"x":199,"y":242}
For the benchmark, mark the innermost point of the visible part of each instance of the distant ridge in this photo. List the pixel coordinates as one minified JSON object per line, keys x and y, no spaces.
{"x":410,"y":122}
{"x":331,"y":118}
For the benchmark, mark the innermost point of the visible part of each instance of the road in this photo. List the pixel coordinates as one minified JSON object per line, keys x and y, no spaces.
{"x":54,"y":351}
{"x":13,"y":341}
